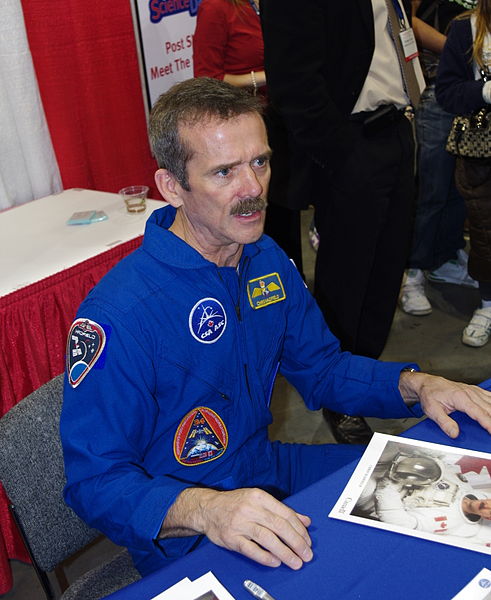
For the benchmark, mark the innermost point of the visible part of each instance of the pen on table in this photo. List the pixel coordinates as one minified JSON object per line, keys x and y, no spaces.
{"x":256,"y":590}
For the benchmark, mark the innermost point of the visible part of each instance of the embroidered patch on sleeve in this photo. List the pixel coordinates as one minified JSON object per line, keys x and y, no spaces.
{"x":265,"y":290}
{"x":86,"y":341}
{"x":200,"y":437}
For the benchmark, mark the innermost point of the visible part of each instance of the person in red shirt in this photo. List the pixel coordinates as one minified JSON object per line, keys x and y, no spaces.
{"x":228,"y":43}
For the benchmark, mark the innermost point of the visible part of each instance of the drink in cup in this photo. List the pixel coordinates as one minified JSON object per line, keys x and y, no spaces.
{"x":135,"y":198}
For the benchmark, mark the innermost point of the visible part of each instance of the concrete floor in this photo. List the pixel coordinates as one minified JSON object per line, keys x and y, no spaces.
{"x":432,"y":341}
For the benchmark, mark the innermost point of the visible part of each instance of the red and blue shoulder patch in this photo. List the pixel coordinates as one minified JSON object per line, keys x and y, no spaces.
{"x":85,"y":344}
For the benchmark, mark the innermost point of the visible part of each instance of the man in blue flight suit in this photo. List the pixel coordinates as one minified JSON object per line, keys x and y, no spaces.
{"x":172,"y":358}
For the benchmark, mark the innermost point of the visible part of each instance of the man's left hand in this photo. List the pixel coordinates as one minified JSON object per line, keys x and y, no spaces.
{"x":439,"y":397}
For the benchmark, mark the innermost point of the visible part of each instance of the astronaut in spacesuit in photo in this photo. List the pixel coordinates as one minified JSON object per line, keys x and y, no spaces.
{"x":424,"y":493}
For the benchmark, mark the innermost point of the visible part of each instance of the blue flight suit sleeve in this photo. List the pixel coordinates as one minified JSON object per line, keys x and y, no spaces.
{"x":326,"y":377}
{"x":107,"y":423}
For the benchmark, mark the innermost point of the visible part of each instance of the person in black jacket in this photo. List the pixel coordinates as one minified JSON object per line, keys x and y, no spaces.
{"x":333,"y":73}
{"x":462,"y":88}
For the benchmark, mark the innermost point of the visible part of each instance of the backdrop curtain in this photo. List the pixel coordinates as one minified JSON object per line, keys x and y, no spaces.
{"x":28,"y":168}
{"x":85,"y":60}
{"x":86,"y":63}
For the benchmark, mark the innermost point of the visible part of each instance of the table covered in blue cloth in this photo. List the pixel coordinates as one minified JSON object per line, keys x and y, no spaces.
{"x":351,"y":561}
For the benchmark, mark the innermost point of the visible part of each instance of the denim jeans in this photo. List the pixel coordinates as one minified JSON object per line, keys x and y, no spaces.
{"x":440,"y":210}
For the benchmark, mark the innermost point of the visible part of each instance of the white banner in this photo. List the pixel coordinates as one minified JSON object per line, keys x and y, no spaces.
{"x":164,"y":31}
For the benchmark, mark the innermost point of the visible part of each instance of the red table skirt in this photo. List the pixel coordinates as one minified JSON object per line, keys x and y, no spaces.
{"x":34,"y":324}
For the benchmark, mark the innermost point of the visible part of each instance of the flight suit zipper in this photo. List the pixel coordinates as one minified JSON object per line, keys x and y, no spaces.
{"x":241,"y":270}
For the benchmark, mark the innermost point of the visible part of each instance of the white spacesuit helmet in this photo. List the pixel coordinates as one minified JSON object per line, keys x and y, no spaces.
{"x":415,"y":470}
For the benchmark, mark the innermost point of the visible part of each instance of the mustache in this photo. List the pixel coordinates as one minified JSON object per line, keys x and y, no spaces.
{"x":249,"y":205}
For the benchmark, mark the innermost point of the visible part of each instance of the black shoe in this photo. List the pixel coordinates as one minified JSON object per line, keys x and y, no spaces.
{"x":346,"y":429}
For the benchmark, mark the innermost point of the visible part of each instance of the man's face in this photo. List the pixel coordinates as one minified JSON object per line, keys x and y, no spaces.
{"x":228,"y":177}
{"x":481,"y":508}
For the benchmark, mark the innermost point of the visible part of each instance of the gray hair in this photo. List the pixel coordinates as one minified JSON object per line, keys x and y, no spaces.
{"x":188,"y":103}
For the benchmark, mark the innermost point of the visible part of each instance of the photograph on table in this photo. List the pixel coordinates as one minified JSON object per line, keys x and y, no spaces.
{"x":425,"y":490}
{"x":206,"y":587}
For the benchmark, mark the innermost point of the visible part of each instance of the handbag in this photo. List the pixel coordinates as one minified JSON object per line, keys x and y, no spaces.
{"x":470,"y":135}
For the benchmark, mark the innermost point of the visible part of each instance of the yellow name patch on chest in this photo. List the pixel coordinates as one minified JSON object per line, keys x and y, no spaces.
{"x":265,"y":290}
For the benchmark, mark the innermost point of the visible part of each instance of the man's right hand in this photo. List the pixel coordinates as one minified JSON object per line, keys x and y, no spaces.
{"x":247,"y":520}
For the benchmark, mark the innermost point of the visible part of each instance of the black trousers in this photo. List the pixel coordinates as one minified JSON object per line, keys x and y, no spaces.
{"x":473,"y":179}
{"x":364,"y":220}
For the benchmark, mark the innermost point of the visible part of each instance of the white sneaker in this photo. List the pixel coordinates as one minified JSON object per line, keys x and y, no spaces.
{"x":477,"y":333}
{"x":413,"y":299}
{"x":454,"y":271}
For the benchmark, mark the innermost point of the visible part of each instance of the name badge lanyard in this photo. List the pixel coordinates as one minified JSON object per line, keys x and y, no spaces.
{"x":400,"y":15}
{"x":406,"y":35}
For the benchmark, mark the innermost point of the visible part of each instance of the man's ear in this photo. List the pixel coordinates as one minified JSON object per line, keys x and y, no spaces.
{"x":169,"y":187}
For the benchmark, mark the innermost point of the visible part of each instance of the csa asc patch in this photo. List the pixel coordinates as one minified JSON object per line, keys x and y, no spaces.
{"x":200,"y":437}
{"x":207,"y":320}
{"x":265,"y":290}
{"x":86,"y":341}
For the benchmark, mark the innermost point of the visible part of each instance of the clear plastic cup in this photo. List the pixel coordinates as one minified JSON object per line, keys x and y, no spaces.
{"x":135,"y":198}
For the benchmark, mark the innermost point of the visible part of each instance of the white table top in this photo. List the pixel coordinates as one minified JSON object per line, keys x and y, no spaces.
{"x":36,"y":242}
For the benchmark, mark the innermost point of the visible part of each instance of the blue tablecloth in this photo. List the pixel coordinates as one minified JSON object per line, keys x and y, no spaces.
{"x":351,"y":561}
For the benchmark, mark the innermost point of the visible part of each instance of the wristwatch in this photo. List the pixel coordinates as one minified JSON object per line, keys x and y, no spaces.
{"x":410,"y":403}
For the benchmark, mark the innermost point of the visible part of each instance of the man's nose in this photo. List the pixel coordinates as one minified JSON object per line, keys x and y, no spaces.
{"x":250,"y":184}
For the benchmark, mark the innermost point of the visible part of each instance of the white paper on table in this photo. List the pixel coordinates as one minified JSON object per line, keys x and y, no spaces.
{"x":435,"y":503}
{"x":478,"y":588}
{"x":206,"y":587}
{"x":208,"y":583}
{"x":175,"y":592}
